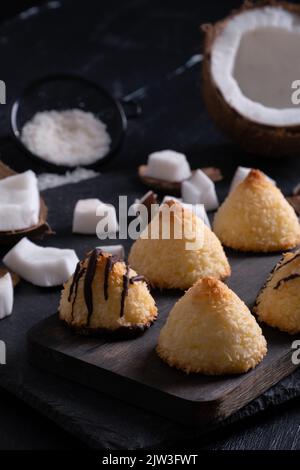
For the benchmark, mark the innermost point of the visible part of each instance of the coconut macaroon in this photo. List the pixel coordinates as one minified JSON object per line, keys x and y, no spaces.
{"x":106,"y":295}
{"x":278,"y":303}
{"x":256,"y":217}
{"x":177,"y":248}
{"x":211,"y":331}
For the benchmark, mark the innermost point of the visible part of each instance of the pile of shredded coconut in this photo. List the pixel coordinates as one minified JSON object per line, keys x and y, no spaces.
{"x":52,"y":180}
{"x":72,"y":137}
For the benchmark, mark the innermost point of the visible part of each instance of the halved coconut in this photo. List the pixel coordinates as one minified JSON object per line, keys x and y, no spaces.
{"x":251,"y":59}
{"x":34,"y":231}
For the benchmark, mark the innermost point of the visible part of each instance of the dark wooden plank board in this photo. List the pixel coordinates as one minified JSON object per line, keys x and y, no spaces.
{"x":132,"y":371}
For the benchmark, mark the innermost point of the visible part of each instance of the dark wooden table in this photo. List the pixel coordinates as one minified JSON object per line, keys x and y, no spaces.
{"x":127,"y":46}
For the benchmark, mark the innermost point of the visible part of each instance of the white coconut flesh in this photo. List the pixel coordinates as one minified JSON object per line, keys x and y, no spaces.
{"x":254,"y":61}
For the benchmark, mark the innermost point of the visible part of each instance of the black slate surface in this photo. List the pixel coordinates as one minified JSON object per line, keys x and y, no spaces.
{"x":125,"y":47}
{"x":97,"y":419}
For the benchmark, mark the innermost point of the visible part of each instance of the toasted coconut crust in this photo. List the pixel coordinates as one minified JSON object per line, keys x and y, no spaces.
{"x":123,"y":332}
{"x":254,"y":138}
{"x":211,"y":331}
{"x":168,"y":264}
{"x":36,"y":231}
{"x":278,"y":302}
{"x":256,"y":217}
{"x":189,"y":369}
{"x":107,"y":291}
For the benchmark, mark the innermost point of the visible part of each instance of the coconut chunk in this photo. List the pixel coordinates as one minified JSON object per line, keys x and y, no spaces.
{"x":44,"y":267}
{"x":6,"y":296}
{"x":88,"y":213}
{"x":19,"y":202}
{"x":168,"y":165}
{"x":241,"y":173}
{"x":200,"y":189}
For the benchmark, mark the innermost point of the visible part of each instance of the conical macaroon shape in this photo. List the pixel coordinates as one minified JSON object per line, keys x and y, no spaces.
{"x":178,"y":262}
{"x":106,"y":295}
{"x":278,"y":303}
{"x":256,"y":217}
{"x":211,"y":331}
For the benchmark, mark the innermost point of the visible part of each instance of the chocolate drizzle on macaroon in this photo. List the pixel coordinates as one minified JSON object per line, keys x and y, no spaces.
{"x":79,"y":272}
{"x":90,"y":271}
{"x":82,"y":284}
{"x":111,"y":260}
{"x":125,"y":289}
{"x":140,"y":277}
{"x":88,"y":281}
{"x":276,"y":268}
{"x":75,"y":278}
{"x":286,"y":279}
{"x":281,"y":264}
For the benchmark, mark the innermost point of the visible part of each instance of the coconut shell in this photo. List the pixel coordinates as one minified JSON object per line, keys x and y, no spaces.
{"x":170,"y":187}
{"x":14,"y":276}
{"x":253,"y":137}
{"x":35,"y":231}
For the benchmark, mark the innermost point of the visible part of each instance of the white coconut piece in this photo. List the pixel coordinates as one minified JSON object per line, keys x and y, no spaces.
{"x":87,"y":214}
{"x":84,"y":217}
{"x":198,"y":209}
{"x":200,"y":189}
{"x":200,"y":212}
{"x":6,"y":296}
{"x":19,"y":202}
{"x":115,"y":250}
{"x":201,"y":180}
{"x":241,"y":174}
{"x":44,"y":267}
{"x":168,"y":165}
{"x":255,"y":60}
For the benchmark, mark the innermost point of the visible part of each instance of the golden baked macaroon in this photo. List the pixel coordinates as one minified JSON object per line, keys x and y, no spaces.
{"x":211,"y":331}
{"x":256,"y":217}
{"x":106,"y":295}
{"x":278,"y":303}
{"x":178,"y":261}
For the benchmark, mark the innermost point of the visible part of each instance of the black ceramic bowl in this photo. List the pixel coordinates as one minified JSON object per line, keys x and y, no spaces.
{"x":61,"y":92}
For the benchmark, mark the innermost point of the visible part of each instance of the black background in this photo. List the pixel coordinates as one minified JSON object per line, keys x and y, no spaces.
{"x":11,"y":8}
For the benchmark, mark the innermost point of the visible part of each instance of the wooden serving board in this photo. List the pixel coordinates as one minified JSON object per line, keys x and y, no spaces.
{"x":131,"y":370}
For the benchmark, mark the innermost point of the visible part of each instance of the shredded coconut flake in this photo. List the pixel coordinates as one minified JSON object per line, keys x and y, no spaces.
{"x":72,"y":137}
{"x":52,"y":180}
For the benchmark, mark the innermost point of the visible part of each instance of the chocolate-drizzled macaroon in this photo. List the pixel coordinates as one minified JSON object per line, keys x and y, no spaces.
{"x":278,"y":303}
{"x":106,"y":295}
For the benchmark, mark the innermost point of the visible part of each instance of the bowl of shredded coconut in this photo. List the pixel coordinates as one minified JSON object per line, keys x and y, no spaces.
{"x":67,"y":121}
